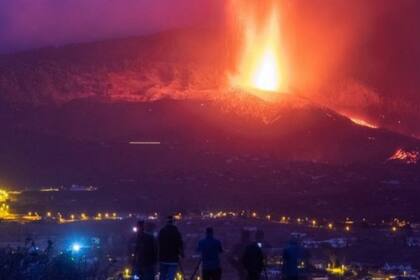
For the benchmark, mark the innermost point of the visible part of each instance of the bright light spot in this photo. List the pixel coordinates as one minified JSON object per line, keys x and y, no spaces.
{"x":262,"y":63}
{"x":144,"y":143}
{"x":135,"y":229}
{"x":337,"y":270}
{"x":127,"y":273}
{"x":265,"y":77}
{"x":3,"y":196}
{"x":179,"y":276}
{"x":76,"y":247}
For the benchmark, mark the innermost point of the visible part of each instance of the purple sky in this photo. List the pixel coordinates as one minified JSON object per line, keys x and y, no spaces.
{"x":34,"y":23}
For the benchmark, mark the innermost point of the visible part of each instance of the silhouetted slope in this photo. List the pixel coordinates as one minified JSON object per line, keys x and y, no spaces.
{"x":179,"y":64}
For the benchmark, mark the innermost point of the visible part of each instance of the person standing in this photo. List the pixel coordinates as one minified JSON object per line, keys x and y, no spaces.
{"x":145,"y":254}
{"x":253,"y":259}
{"x":293,"y":254}
{"x":237,"y":252}
{"x":170,"y":249}
{"x":210,"y":249}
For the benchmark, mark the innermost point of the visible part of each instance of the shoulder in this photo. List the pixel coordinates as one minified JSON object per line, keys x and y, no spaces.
{"x":172,"y":228}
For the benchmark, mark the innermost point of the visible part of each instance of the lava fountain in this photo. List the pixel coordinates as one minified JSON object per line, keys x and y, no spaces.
{"x":261,"y":67}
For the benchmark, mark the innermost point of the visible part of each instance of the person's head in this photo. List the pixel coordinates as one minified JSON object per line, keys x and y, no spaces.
{"x":294,"y":241}
{"x":209,"y":232}
{"x":259,"y":235}
{"x":170,"y":220}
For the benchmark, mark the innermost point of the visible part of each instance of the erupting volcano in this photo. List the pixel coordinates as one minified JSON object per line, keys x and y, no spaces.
{"x":185,"y":88}
{"x":261,"y":63}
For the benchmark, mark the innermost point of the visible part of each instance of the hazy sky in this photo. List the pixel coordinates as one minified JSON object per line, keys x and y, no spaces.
{"x":34,"y":23}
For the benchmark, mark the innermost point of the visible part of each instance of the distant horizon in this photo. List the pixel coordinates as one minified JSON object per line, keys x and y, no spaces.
{"x":108,"y":39}
{"x":82,"y":42}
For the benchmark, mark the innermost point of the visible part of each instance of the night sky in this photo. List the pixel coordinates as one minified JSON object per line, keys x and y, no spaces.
{"x":33,"y":23}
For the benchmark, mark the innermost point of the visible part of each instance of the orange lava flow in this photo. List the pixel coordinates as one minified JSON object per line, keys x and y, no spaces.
{"x":362,"y":122}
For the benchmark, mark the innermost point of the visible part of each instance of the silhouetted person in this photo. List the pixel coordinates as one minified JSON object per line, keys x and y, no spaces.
{"x":145,"y":254}
{"x":170,"y":249}
{"x":292,"y":256}
{"x":253,"y":258}
{"x":210,"y":250}
{"x":237,"y":252}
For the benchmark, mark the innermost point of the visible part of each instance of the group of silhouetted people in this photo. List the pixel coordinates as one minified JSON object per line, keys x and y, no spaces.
{"x":166,"y":250}
{"x":247,"y":257}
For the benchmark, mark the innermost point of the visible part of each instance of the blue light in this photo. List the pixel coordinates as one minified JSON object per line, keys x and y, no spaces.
{"x":76,"y":247}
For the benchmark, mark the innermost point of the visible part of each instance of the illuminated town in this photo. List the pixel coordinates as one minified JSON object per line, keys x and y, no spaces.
{"x":338,"y":248}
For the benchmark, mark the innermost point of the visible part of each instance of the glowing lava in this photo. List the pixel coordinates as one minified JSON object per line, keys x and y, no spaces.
{"x":408,"y":157}
{"x":362,"y":122}
{"x":260,"y":66}
{"x":266,"y":75}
